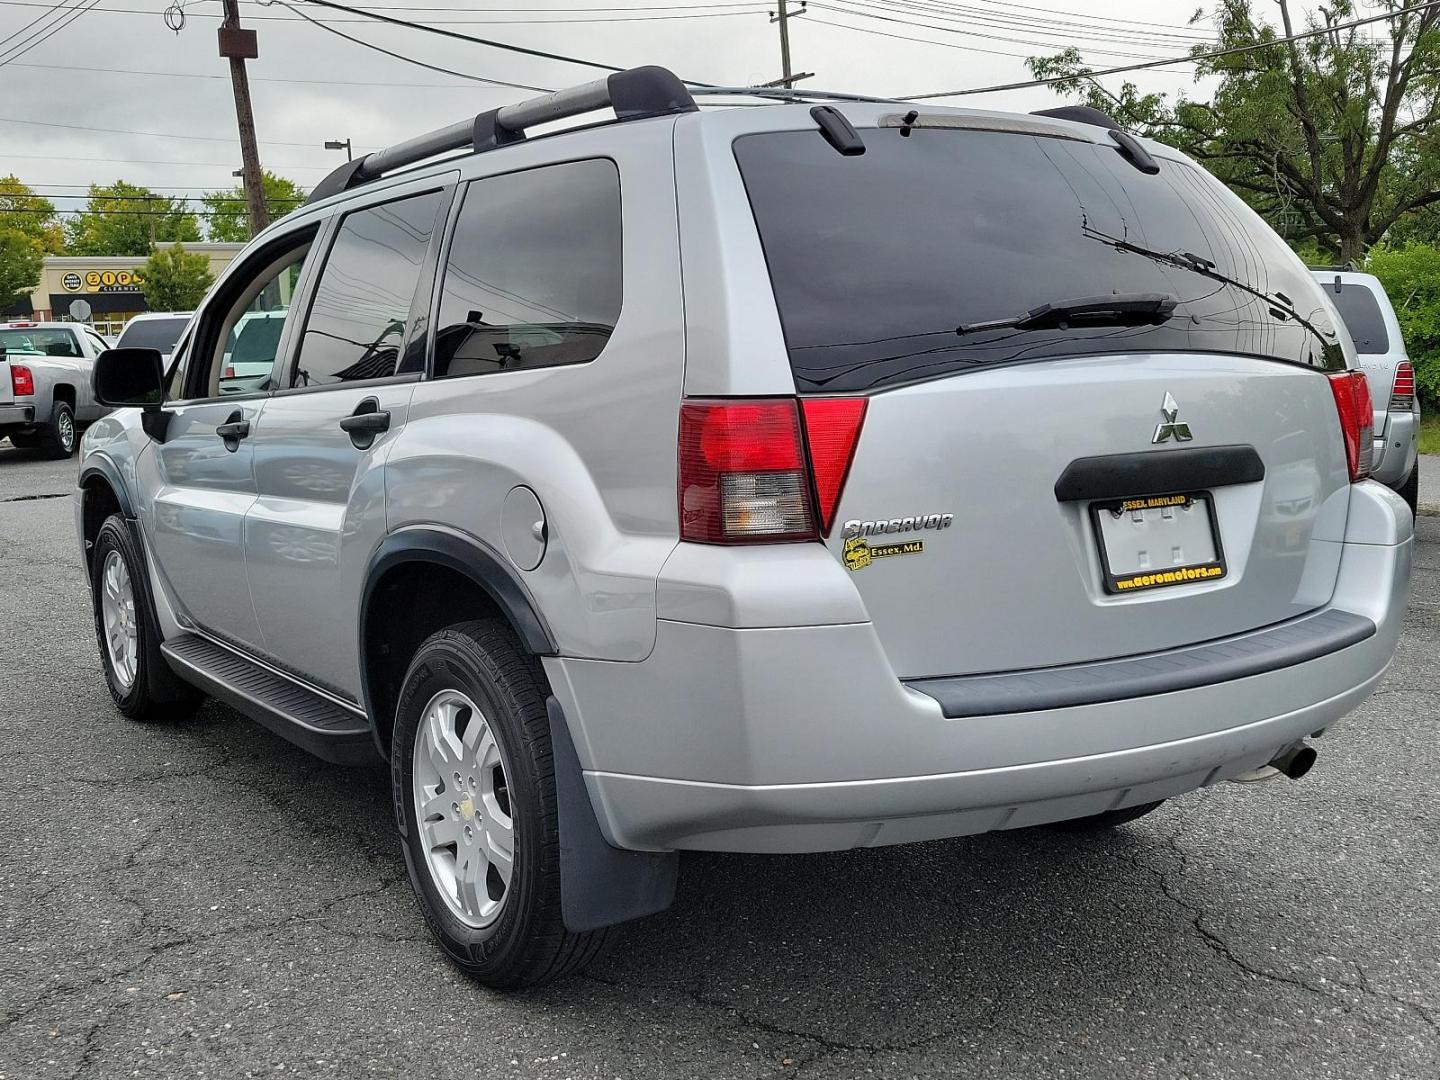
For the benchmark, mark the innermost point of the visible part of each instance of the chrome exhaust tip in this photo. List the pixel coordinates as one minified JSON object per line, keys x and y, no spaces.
{"x":1294,"y":761}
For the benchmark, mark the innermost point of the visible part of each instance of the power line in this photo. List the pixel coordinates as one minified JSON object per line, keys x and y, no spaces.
{"x":273,"y":79}
{"x":151,"y":161}
{"x":410,"y":59}
{"x":1188,"y":58}
{"x":749,"y":8}
{"x":859,"y":11}
{"x":966,"y":15}
{"x":456,"y":35}
{"x":14,"y":52}
{"x":1146,"y":25}
{"x":152,"y":134}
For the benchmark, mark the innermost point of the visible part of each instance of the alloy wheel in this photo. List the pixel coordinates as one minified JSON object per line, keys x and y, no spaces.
{"x":463,"y":809}
{"x":117,"y":610}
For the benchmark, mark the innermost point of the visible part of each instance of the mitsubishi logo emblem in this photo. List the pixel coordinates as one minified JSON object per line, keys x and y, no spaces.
{"x":1171,"y":427}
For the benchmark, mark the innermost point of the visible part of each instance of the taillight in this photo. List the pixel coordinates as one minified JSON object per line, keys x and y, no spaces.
{"x":1357,"y":420}
{"x":1402,"y":394}
{"x":22,"y":381}
{"x":228,"y":373}
{"x":749,"y":472}
{"x":742,"y":473}
{"x":832,"y":428}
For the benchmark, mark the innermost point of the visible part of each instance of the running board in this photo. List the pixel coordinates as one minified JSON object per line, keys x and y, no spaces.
{"x":308,"y":719}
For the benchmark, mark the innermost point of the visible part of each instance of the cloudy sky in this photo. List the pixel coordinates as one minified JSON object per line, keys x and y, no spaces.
{"x":117,"y":68}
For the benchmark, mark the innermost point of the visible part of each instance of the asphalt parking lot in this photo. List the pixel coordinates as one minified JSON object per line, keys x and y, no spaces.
{"x":204,"y":900}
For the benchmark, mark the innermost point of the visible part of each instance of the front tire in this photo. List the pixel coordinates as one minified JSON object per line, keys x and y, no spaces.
{"x":142,"y":684}
{"x":474,"y":789}
{"x":60,"y":437}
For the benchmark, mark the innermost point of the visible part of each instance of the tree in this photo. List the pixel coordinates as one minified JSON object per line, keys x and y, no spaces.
{"x":175,"y":279}
{"x":20,"y":263}
{"x":126,"y":219}
{"x":229,"y":219}
{"x":1411,"y":276}
{"x":22,"y":211}
{"x":1333,"y":139}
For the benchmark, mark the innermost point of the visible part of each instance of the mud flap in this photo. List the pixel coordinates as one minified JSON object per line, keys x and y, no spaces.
{"x":600,"y":885}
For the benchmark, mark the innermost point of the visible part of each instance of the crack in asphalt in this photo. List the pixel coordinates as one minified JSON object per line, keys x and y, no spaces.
{"x":1196,"y":916}
{"x":35,"y":498}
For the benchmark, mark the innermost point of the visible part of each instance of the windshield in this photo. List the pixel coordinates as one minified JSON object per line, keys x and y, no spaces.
{"x":39,"y":342}
{"x":158,"y":334}
{"x":877,"y":259}
{"x":1361,"y":315}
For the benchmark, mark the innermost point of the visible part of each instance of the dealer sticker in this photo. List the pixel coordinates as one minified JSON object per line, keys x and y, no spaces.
{"x":860,"y":553}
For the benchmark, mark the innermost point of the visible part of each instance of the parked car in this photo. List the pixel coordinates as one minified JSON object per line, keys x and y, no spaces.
{"x":766,"y":480}
{"x":158,"y":330}
{"x":45,"y":391}
{"x":1370,"y":318}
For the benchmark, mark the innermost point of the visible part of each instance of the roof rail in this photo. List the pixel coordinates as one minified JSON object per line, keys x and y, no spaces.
{"x":635,"y":94}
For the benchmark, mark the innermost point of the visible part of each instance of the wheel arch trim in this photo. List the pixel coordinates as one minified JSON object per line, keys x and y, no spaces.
{"x":438,"y":545}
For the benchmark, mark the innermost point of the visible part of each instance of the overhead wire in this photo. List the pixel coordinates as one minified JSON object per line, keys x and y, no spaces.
{"x":1191,"y":57}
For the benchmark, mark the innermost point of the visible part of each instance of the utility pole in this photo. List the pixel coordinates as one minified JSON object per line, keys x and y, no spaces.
{"x":239,"y":45}
{"x":783,"y":16}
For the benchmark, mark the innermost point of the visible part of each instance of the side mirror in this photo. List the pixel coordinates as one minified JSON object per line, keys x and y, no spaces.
{"x":129,"y":377}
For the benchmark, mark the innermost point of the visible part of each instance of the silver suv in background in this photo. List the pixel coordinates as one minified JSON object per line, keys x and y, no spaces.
{"x":772,"y":479}
{"x":158,"y":330}
{"x":1370,"y":318}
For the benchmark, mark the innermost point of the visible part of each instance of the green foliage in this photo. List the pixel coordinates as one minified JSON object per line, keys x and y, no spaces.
{"x":175,"y":279}
{"x":229,"y":217}
{"x":20,"y":263}
{"x":126,"y":219}
{"x":1334,"y":139}
{"x":1411,"y":276}
{"x":22,"y":211}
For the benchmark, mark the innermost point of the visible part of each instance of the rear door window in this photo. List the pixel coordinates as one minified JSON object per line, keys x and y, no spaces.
{"x":533,"y":275}
{"x":361,"y":312}
{"x":158,"y":334}
{"x":876,"y":260}
{"x":1360,"y":312}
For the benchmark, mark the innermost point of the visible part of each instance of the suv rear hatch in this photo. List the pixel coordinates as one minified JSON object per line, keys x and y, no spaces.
{"x":1183,"y":363}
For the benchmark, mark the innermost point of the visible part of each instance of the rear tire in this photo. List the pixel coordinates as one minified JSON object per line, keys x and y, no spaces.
{"x":141,"y":682}
{"x":1107,"y":820}
{"x":60,"y":437}
{"x":24,"y":442}
{"x":472,"y":707}
{"x":1410,"y":490}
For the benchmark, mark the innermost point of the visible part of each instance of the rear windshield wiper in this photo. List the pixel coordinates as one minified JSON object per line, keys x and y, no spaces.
{"x":1114,"y":309}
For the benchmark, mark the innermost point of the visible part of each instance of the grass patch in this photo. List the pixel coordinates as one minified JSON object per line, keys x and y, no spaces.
{"x":1430,"y":434}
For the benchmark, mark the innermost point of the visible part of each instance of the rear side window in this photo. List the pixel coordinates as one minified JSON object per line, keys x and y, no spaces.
{"x":533,"y":275}
{"x":159,"y":334}
{"x":361,"y":310}
{"x":877,"y":260}
{"x":1360,"y":312}
{"x":42,"y":342}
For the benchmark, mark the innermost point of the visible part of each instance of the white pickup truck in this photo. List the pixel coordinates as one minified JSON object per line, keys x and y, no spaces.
{"x":45,"y":383}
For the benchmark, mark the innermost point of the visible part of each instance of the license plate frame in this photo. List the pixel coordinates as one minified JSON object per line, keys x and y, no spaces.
{"x":1161,"y":577}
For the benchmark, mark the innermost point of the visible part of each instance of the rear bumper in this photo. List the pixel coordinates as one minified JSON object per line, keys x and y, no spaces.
{"x":1396,"y":452}
{"x":16,"y":415}
{"x":801,"y":738}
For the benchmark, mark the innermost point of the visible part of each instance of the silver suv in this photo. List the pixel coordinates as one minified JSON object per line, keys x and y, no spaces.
{"x":1369,"y":317}
{"x":772,"y":479}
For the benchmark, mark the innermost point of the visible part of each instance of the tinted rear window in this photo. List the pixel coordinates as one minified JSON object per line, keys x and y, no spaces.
{"x":40,"y":342}
{"x":158,"y":334}
{"x":1361,"y":314}
{"x":877,"y":259}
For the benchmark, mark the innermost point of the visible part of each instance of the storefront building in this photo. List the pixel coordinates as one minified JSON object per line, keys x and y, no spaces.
{"x":111,"y":285}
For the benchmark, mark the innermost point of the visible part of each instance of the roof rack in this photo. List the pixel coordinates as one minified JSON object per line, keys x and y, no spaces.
{"x":1080,"y":114}
{"x":635,"y":94}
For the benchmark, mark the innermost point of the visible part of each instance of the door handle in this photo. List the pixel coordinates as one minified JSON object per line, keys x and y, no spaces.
{"x":367,"y":421}
{"x":233,"y":430}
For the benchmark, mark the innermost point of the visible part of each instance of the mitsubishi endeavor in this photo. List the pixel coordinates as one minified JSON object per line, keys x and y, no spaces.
{"x":777,"y":479}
